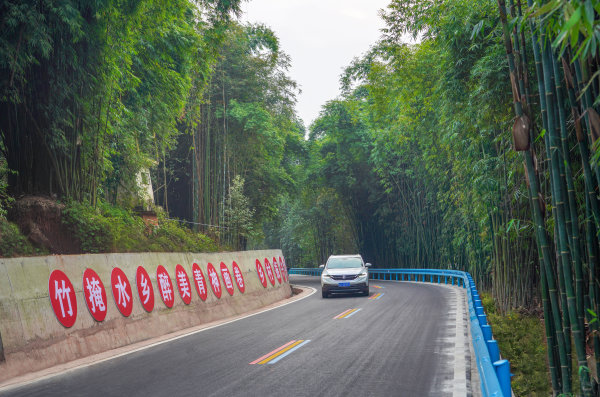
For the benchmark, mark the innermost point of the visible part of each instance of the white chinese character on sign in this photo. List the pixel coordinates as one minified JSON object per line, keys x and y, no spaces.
{"x":199,"y":281}
{"x":145,"y":288}
{"x":260,"y":273}
{"x":276,"y":269}
{"x":60,"y":294}
{"x":269,"y":272}
{"x":214,"y":281}
{"x":227,"y":279}
{"x":123,"y":295}
{"x":183,"y":284}
{"x":165,"y":288}
{"x":95,"y":291}
{"x":238,"y":277}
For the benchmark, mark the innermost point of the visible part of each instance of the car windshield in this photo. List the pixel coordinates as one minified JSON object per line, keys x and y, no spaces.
{"x":343,"y":263}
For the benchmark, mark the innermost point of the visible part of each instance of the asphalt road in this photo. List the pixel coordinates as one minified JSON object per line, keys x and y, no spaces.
{"x":402,"y":344}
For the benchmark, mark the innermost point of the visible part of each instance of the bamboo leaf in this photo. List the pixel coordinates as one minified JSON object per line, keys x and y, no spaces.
{"x":549,"y":8}
{"x":588,"y":9}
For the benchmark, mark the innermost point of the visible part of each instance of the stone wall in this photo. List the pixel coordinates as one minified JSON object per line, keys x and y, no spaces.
{"x":33,"y":338}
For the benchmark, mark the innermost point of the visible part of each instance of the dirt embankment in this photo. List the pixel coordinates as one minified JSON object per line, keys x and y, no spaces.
{"x":40,"y":220}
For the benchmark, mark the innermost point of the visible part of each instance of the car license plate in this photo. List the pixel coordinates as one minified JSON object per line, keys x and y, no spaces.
{"x":344,"y":284}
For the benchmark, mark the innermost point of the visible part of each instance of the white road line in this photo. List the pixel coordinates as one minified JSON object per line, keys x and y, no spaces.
{"x":460,"y":370}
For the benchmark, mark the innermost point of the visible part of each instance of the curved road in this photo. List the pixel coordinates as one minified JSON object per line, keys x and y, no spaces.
{"x":410,"y":341}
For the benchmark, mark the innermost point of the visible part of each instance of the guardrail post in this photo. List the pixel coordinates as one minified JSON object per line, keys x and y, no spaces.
{"x":478,"y":307}
{"x":492,"y":345}
{"x":482,"y":319}
{"x":445,"y":279}
{"x":502,"y":368}
{"x":486,"y":330}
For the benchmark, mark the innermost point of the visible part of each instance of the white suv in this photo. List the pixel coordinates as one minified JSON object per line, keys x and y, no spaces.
{"x":345,"y":274}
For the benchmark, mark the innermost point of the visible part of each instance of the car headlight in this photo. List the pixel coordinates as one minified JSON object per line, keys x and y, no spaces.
{"x":326,"y":275}
{"x":363,"y":274}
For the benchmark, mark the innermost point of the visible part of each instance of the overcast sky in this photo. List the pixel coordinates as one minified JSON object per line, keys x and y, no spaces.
{"x":322,"y":37}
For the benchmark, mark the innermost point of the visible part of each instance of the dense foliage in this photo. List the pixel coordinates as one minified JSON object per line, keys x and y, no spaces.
{"x":520,"y":336}
{"x":100,"y":100}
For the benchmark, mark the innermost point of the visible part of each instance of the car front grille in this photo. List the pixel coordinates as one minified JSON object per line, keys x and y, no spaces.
{"x":344,"y":277}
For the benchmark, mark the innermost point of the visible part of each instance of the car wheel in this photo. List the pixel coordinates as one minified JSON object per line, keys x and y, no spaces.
{"x":366,"y":293}
{"x":323,"y":294}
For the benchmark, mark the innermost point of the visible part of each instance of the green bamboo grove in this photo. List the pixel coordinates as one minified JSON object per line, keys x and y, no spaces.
{"x":569,"y":278}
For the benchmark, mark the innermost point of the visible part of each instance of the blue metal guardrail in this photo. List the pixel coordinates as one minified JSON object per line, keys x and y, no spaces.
{"x":494,"y":373}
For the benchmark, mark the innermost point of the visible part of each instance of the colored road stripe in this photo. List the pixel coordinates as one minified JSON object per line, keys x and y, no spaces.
{"x":352,"y":313}
{"x":378,"y":286}
{"x":273,"y":352}
{"x":376,"y":296}
{"x":280,"y":352}
{"x":289,"y":351}
{"x":341,"y":314}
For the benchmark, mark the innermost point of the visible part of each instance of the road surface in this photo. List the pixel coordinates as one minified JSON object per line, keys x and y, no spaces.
{"x":410,"y":340}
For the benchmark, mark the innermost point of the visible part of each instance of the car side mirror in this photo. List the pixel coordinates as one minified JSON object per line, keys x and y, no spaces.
{"x":368,"y":265}
{"x":322,"y":266}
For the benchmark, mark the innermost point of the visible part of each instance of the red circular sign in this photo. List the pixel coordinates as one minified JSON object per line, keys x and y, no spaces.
{"x":283,"y":269}
{"x":227,"y":278}
{"x":261,"y":273}
{"x":269,"y":272}
{"x":183,"y":284}
{"x":145,"y":290}
{"x":277,"y":271}
{"x":165,"y":287}
{"x":62,"y":298}
{"x":121,"y":290}
{"x":95,"y":294}
{"x":213,"y":279}
{"x":200,"y":281}
{"x":238,"y":277}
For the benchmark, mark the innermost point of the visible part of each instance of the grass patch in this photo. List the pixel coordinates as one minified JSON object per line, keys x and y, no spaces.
{"x":522,"y":341}
{"x":13,"y":243}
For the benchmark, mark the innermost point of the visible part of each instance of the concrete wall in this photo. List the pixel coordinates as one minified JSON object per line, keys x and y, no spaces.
{"x":33,"y":338}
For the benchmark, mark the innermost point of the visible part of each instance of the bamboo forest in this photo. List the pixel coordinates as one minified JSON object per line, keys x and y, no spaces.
{"x":473,"y":145}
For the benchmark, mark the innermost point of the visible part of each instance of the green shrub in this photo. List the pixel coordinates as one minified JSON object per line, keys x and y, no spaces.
{"x":13,"y":243}
{"x":95,"y":232}
{"x":522,"y":341}
{"x":172,"y":236}
{"x":108,"y":228}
